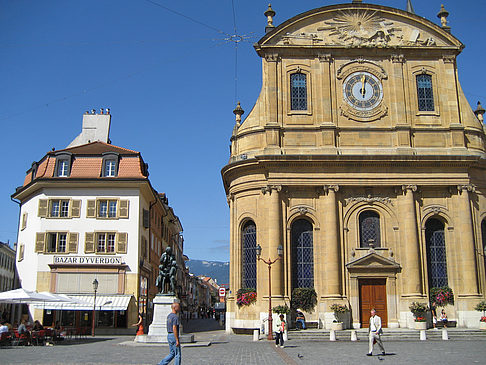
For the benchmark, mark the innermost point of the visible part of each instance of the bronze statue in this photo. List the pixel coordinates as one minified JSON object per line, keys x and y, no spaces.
{"x":167,"y":272}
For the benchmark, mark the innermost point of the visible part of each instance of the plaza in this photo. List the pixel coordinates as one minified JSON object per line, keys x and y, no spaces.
{"x":240,"y":349}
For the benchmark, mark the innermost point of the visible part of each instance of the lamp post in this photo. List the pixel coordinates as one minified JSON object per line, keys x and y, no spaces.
{"x":269,"y":262}
{"x":95,"y":288}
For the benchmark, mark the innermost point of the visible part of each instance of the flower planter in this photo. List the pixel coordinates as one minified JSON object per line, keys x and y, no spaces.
{"x":420,"y":325}
{"x":482,"y":325}
{"x":337,"y":326}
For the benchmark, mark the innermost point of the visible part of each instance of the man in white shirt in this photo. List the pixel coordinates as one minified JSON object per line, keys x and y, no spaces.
{"x":3,"y":328}
{"x":375,"y":332}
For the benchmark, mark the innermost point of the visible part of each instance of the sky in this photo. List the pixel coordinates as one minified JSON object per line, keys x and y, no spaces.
{"x":166,"y":69}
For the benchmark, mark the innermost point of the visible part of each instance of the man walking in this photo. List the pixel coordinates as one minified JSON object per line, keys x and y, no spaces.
{"x":375,"y":332}
{"x":173,"y":336}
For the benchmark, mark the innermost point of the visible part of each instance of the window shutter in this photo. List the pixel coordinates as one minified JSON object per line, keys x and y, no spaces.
{"x":91,"y":209}
{"x":73,"y":242}
{"x":40,"y":239}
{"x":146,"y":218}
{"x":123,"y":208}
{"x":89,"y":242}
{"x":21,"y":252}
{"x":122,"y":239}
{"x":75,"y":208}
{"x":43,"y":204}
{"x":24,"y":221}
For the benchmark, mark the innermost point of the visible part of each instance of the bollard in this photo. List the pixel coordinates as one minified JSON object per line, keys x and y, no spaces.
{"x":445,"y":336}
{"x":332,"y":335}
{"x":423,"y":336}
{"x":256,"y":335}
{"x":354,"y":337}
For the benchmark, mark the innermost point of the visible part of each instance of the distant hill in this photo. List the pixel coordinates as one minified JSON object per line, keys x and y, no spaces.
{"x":216,"y":269}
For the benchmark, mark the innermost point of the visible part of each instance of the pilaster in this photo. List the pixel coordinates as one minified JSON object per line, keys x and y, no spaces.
{"x":332,"y":268}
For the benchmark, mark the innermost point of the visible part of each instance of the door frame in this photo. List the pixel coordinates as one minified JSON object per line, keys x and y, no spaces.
{"x":381,"y":281}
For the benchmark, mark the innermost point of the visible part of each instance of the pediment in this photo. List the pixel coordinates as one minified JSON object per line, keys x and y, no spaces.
{"x":373,"y":261}
{"x":359,"y":26}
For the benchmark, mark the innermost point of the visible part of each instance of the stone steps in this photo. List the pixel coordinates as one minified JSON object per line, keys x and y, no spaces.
{"x":392,"y":335}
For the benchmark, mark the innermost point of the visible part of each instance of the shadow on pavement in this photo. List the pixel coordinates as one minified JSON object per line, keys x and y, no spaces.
{"x":201,"y":325}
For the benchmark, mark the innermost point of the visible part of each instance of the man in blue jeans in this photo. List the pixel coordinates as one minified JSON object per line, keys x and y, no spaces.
{"x":173,"y":336}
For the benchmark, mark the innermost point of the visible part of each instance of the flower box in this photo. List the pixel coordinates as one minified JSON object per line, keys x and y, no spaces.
{"x":337,"y":326}
{"x":482,"y":325}
{"x":420,"y":325}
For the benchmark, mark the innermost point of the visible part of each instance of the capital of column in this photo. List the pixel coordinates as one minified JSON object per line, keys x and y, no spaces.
{"x":271,"y":57}
{"x":466,"y":187}
{"x":412,"y":188}
{"x":328,"y":188}
{"x":269,"y":188}
{"x":325,"y":57}
{"x":230,"y":197}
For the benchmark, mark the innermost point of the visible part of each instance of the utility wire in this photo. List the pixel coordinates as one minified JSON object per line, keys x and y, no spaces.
{"x":236,"y":52}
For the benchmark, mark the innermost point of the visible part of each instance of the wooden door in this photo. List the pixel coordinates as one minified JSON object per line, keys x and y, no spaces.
{"x":372,"y":294}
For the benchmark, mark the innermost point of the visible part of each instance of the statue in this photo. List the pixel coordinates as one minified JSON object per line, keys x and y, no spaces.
{"x":167,"y":272}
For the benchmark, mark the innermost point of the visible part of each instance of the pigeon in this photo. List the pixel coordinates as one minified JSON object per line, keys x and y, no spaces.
{"x":300,"y":356}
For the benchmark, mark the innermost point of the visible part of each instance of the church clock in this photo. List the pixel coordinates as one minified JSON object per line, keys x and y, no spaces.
{"x":363,"y":91}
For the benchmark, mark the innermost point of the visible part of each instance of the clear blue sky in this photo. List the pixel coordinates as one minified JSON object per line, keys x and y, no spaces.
{"x":169,"y":82}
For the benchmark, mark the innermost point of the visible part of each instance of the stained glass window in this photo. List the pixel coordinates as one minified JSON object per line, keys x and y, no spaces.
{"x":248,"y":238}
{"x":302,"y":254}
{"x":436,"y":253}
{"x":483,"y":235}
{"x":425,"y":94}
{"x":298,"y":91}
{"x":369,"y":229}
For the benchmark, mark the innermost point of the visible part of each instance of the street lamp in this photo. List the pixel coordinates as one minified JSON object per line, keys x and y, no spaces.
{"x":269,"y":262}
{"x":95,"y":288}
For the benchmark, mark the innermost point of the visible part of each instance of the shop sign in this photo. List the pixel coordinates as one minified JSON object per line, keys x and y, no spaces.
{"x":87,"y":260}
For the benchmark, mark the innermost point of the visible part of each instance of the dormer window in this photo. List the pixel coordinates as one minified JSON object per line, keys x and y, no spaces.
{"x":110,"y":165}
{"x":63,"y":165}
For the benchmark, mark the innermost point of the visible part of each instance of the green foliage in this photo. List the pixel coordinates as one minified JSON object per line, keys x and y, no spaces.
{"x":304,"y":298}
{"x":281,"y":309}
{"x":442,"y":296}
{"x":481,"y":307}
{"x":338,"y":308}
{"x":418,"y":309}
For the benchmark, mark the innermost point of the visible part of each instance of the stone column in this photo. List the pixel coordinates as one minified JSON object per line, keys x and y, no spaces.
{"x":234,"y":245}
{"x":274,"y":239}
{"x":467,"y":247}
{"x":332,"y":266}
{"x":412,"y":282}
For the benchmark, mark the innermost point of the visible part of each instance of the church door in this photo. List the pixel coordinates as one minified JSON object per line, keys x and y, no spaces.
{"x":372,"y":294}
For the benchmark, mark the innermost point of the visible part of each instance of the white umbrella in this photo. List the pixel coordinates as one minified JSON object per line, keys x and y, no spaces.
{"x":24,"y":296}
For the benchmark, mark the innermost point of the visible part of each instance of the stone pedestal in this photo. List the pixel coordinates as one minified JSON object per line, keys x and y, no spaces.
{"x":158,"y":329}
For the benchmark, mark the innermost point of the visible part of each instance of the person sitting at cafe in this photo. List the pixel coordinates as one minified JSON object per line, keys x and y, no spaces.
{"x":22,"y":330}
{"x":3,"y":327}
{"x":37,"y":326}
{"x":300,"y":319}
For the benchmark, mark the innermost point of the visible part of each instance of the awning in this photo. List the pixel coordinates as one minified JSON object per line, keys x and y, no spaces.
{"x":103,"y":302}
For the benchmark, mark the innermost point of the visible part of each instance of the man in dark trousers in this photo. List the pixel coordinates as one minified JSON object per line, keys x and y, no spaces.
{"x":173,"y":336}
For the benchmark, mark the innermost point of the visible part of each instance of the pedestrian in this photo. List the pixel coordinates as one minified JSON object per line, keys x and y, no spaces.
{"x":300,"y":318}
{"x":433,"y":310}
{"x":375,"y":332}
{"x":279,"y":331}
{"x":139,"y":325}
{"x":443,"y":318}
{"x":173,"y":336}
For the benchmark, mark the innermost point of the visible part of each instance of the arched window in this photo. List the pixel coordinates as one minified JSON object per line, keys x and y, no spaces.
{"x":483,"y":236}
{"x":298,"y":91}
{"x":302,"y":254}
{"x":436,"y":253}
{"x":369,"y":229}
{"x":425,"y":95}
{"x":248,"y":238}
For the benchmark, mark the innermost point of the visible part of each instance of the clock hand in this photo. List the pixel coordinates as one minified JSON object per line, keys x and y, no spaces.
{"x":363,"y":82}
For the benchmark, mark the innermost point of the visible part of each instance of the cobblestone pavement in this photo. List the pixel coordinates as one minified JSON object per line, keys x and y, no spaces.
{"x":232,"y":349}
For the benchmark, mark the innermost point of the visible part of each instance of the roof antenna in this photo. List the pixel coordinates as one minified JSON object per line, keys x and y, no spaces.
{"x":410,"y":7}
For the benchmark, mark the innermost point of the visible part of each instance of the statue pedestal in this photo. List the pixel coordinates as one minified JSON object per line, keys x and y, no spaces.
{"x":158,"y":329}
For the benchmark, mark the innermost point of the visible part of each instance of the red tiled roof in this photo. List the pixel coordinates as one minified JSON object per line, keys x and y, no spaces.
{"x":86,"y":167}
{"x":96,"y":148}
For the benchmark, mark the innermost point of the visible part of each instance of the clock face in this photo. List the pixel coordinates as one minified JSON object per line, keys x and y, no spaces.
{"x":363,"y":91}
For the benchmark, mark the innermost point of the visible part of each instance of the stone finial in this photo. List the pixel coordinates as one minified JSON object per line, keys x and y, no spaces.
{"x":238,"y":112}
{"x":270,"y":13}
{"x":480,"y":112}
{"x":442,"y":15}
{"x":410,"y":7}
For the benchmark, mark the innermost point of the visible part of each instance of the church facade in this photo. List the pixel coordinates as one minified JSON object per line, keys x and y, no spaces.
{"x":363,"y":159}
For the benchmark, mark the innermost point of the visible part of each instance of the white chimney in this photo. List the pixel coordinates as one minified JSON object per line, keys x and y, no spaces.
{"x":96,"y":127}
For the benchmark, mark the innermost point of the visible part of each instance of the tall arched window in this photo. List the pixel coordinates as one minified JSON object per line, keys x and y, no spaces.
{"x":248,"y":238}
{"x":298,"y":91}
{"x":425,"y":94}
{"x":369,"y":229}
{"x":436,"y":253}
{"x":483,"y":236}
{"x":302,"y":254}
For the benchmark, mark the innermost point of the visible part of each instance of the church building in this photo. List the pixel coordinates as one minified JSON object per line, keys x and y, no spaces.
{"x":364,"y":161}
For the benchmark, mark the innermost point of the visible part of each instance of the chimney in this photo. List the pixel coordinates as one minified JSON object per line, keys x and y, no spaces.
{"x":96,"y":127}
